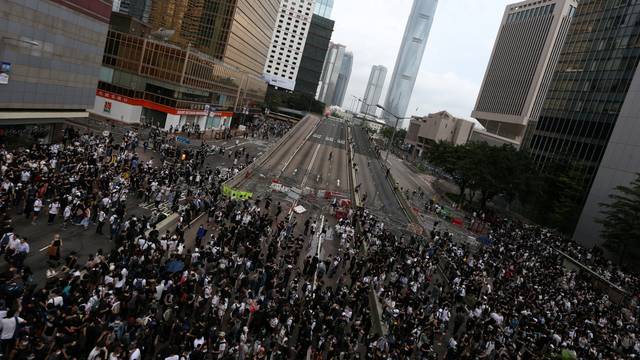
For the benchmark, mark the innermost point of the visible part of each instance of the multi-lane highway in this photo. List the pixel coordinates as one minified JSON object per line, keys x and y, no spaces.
{"x":312,"y":157}
{"x":371,"y":179}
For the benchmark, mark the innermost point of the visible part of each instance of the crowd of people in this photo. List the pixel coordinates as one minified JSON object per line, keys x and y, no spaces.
{"x":252,"y":283}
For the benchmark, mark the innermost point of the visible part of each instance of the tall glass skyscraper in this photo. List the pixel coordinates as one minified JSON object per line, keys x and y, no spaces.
{"x":343,"y":79}
{"x":409,"y":58}
{"x":323,"y":8}
{"x":374,"y":90}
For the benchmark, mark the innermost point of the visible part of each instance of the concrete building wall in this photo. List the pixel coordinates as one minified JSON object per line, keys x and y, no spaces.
{"x":438,"y":127}
{"x":620,"y":165}
{"x":524,"y":57}
{"x":117,"y":110}
{"x":288,"y":42}
{"x":54,"y":52}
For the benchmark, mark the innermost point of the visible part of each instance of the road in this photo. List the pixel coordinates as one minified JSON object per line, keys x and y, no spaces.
{"x":409,"y":180}
{"x":374,"y":186}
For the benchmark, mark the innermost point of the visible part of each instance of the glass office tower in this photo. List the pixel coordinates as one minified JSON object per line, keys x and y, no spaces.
{"x":343,"y":79}
{"x":409,"y":58}
{"x":323,"y":8}
{"x":374,"y":90}
{"x":590,"y":83}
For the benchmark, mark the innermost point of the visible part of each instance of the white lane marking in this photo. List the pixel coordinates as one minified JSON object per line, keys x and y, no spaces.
{"x":313,"y":160}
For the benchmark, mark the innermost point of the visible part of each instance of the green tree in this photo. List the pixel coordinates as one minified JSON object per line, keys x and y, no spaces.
{"x":621,"y":223}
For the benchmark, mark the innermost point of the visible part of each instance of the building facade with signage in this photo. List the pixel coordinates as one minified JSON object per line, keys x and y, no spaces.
{"x":151,"y":81}
{"x":50,"y":56}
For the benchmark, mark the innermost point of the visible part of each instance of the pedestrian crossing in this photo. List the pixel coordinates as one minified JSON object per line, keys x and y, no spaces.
{"x":164,"y":206}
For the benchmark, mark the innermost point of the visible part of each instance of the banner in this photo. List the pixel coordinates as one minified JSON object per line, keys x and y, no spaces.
{"x":236,"y":194}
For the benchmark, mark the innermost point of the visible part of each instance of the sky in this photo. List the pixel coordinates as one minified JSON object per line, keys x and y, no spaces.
{"x":454,"y":63}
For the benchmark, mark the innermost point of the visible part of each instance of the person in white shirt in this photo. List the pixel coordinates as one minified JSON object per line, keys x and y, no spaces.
{"x":8,"y":327}
{"x":102,"y":217}
{"x":37,"y":206}
{"x":54,"y":209}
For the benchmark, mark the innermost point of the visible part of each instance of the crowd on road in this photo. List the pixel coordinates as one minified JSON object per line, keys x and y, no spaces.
{"x":251,"y":283}
{"x":510,"y":298}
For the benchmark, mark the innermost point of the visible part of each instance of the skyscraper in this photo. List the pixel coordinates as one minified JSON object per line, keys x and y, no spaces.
{"x":409,"y":58}
{"x":344,"y":75}
{"x":315,"y":51}
{"x":591,"y":97}
{"x":374,"y":90}
{"x":237,"y":32}
{"x":250,"y":35}
{"x":203,"y":24}
{"x":323,"y":8}
{"x":330,"y":73}
{"x":287,"y":44}
{"x":524,"y":57}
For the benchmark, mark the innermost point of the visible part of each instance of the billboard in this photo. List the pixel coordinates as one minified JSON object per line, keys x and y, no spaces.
{"x":280,"y":82}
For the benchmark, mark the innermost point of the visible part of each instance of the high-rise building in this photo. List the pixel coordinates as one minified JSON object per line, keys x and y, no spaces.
{"x":330,"y":73}
{"x":524,"y":57}
{"x":196,"y":63}
{"x":409,"y":58}
{"x":139,"y":9}
{"x":288,"y":42}
{"x":344,"y":75}
{"x":202,"y":24}
{"x":374,"y":90}
{"x":591,"y":97}
{"x":323,"y":8}
{"x":50,"y":56}
{"x":237,"y":32}
{"x":315,"y":51}
{"x":250,"y":35}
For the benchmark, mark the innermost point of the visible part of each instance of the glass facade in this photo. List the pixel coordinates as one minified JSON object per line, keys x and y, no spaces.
{"x":313,"y":55}
{"x":323,"y":8}
{"x":205,"y":24}
{"x":589,"y":86}
{"x":250,"y":36}
{"x":409,"y":58}
{"x":174,"y":65}
{"x":343,"y":79}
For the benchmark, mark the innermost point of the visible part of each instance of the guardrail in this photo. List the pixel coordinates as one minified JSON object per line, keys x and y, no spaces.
{"x":615,"y":292}
{"x":245,"y":173}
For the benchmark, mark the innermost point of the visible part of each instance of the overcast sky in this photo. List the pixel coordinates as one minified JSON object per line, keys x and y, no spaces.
{"x":454,"y":62}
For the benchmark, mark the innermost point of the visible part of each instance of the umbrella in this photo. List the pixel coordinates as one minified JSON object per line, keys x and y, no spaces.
{"x":175,"y":266}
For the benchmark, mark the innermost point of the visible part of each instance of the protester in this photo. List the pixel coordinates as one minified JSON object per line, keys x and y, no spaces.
{"x":250,"y":284}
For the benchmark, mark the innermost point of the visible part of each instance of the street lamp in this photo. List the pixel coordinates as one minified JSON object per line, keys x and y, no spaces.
{"x":395,"y":129}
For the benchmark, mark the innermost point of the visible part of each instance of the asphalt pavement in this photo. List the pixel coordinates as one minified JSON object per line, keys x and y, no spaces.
{"x":374,"y":187}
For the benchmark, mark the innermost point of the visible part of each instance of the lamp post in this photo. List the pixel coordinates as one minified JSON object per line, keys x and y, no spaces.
{"x":395,"y":129}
